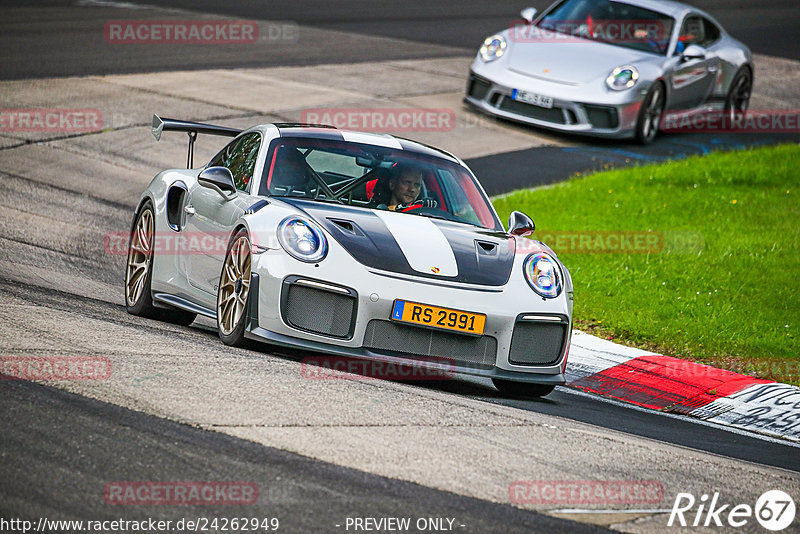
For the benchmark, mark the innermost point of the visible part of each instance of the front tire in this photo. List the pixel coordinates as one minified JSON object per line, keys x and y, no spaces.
{"x":650,"y":113}
{"x":522,"y":389}
{"x":234,"y":291}
{"x":139,"y":273}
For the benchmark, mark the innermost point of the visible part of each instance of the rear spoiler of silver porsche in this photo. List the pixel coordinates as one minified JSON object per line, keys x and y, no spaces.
{"x":192,"y":128}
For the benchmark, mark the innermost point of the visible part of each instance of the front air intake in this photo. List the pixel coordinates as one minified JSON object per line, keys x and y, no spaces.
{"x":319,"y":308}
{"x":538,"y":342}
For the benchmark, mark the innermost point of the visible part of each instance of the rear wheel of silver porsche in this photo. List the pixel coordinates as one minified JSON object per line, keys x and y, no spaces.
{"x":234,"y":291}
{"x":139,"y":272}
{"x":738,"y":99}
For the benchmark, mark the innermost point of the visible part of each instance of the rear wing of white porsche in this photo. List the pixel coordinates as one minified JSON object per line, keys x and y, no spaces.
{"x":192,"y":128}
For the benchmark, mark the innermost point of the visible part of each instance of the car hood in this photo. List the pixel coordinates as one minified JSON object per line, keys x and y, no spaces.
{"x":577,"y":62}
{"x":416,"y":245}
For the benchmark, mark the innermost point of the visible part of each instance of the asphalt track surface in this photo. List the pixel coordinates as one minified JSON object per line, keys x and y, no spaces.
{"x":55,"y":470}
{"x":61,"y":38}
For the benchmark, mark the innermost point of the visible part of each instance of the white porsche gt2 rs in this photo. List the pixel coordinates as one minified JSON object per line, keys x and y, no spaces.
{"x":291,"y":235}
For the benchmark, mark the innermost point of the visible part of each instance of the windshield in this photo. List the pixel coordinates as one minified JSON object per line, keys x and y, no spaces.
{"x":375,"y":177}
{"x":610,"y":22}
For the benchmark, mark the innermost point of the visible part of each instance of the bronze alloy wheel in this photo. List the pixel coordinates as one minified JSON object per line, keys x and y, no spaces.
{"x":139,"y":273}
{"x":234,"y":287}
{"x":140,"y":253}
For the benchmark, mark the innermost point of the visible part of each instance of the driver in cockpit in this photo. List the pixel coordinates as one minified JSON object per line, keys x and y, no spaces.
{"x":404,"y":188}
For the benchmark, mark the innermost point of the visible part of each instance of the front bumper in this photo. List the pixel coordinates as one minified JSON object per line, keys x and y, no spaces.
{"x":369,"y":333}
{"x":567,"y":115}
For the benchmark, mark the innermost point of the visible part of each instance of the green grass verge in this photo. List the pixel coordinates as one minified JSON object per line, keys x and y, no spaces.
{"x":721,"y":286}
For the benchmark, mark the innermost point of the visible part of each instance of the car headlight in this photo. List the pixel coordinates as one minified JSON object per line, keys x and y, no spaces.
{"x":622,"y":78}
{"x":493,"y":48}
{"x":543,"y":274}
{"x":302,"y":239}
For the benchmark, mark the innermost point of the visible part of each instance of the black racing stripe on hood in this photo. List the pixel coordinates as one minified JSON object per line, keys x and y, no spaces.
{"x":479,"y":262}
{"x":373,"y":245}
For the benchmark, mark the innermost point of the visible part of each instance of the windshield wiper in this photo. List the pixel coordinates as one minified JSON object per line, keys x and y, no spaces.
{"x":432,"y":216}
{"x":452,"y":218}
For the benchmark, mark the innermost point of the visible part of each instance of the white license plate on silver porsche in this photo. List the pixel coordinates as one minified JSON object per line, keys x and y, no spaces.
{"x":532,"y":98}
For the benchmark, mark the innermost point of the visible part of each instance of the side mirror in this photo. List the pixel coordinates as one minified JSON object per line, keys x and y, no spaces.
{"x":219,"y":179}
{"x":520,"y":224}
{"x":528,"y":14}
{"x":693,"y":51}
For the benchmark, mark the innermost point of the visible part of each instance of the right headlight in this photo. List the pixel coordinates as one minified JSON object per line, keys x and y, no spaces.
{"x":493,"y":48}
{"x":302,"y":239}
{"x":543,"y":274}
{"x":622,"y":78}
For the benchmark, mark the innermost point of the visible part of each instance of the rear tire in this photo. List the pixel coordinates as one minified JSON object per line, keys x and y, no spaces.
{"x":522,"y":389}
{"x":650,"y":114}
{"x":138,"y":268}
{"x":738,"y":99}
{"x":233,"y":295}
{"x":139,"y":273}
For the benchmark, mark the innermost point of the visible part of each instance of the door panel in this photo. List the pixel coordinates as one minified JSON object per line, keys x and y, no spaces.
{"x":206,"y":234}
{"x":692,"y":81}
{"x":209,"y":227}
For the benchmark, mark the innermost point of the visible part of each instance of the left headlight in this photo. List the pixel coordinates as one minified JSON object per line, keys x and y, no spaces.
{"x":493,"y":48}
{"x":622,"y":78}
{"x":302,"y":239}
{"x":543,"y":274}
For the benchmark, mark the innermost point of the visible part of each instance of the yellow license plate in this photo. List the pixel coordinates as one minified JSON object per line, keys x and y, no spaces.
{"x":436,"y":317}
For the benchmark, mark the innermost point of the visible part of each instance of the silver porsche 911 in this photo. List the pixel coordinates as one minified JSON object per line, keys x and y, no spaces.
{"x":610,"y":67}
{"x":352,"y":244}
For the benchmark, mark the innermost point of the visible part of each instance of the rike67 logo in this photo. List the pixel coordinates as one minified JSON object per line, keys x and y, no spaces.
{"x":774,"y":510}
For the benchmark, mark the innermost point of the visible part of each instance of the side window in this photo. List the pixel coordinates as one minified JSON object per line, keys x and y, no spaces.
{"x":697,"y":30}
{"x":692,"y":31}
{"x":219,"y":159}
{"x":240,"y":157}
{"x":243,"y":160}
{"x":712,"y":33}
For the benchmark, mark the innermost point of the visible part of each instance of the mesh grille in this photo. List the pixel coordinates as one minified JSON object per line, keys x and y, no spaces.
{"x":537,"y":343}
{"x":535,"y":112}
{"x":417,"y":343}
{"x":319,"y":311}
